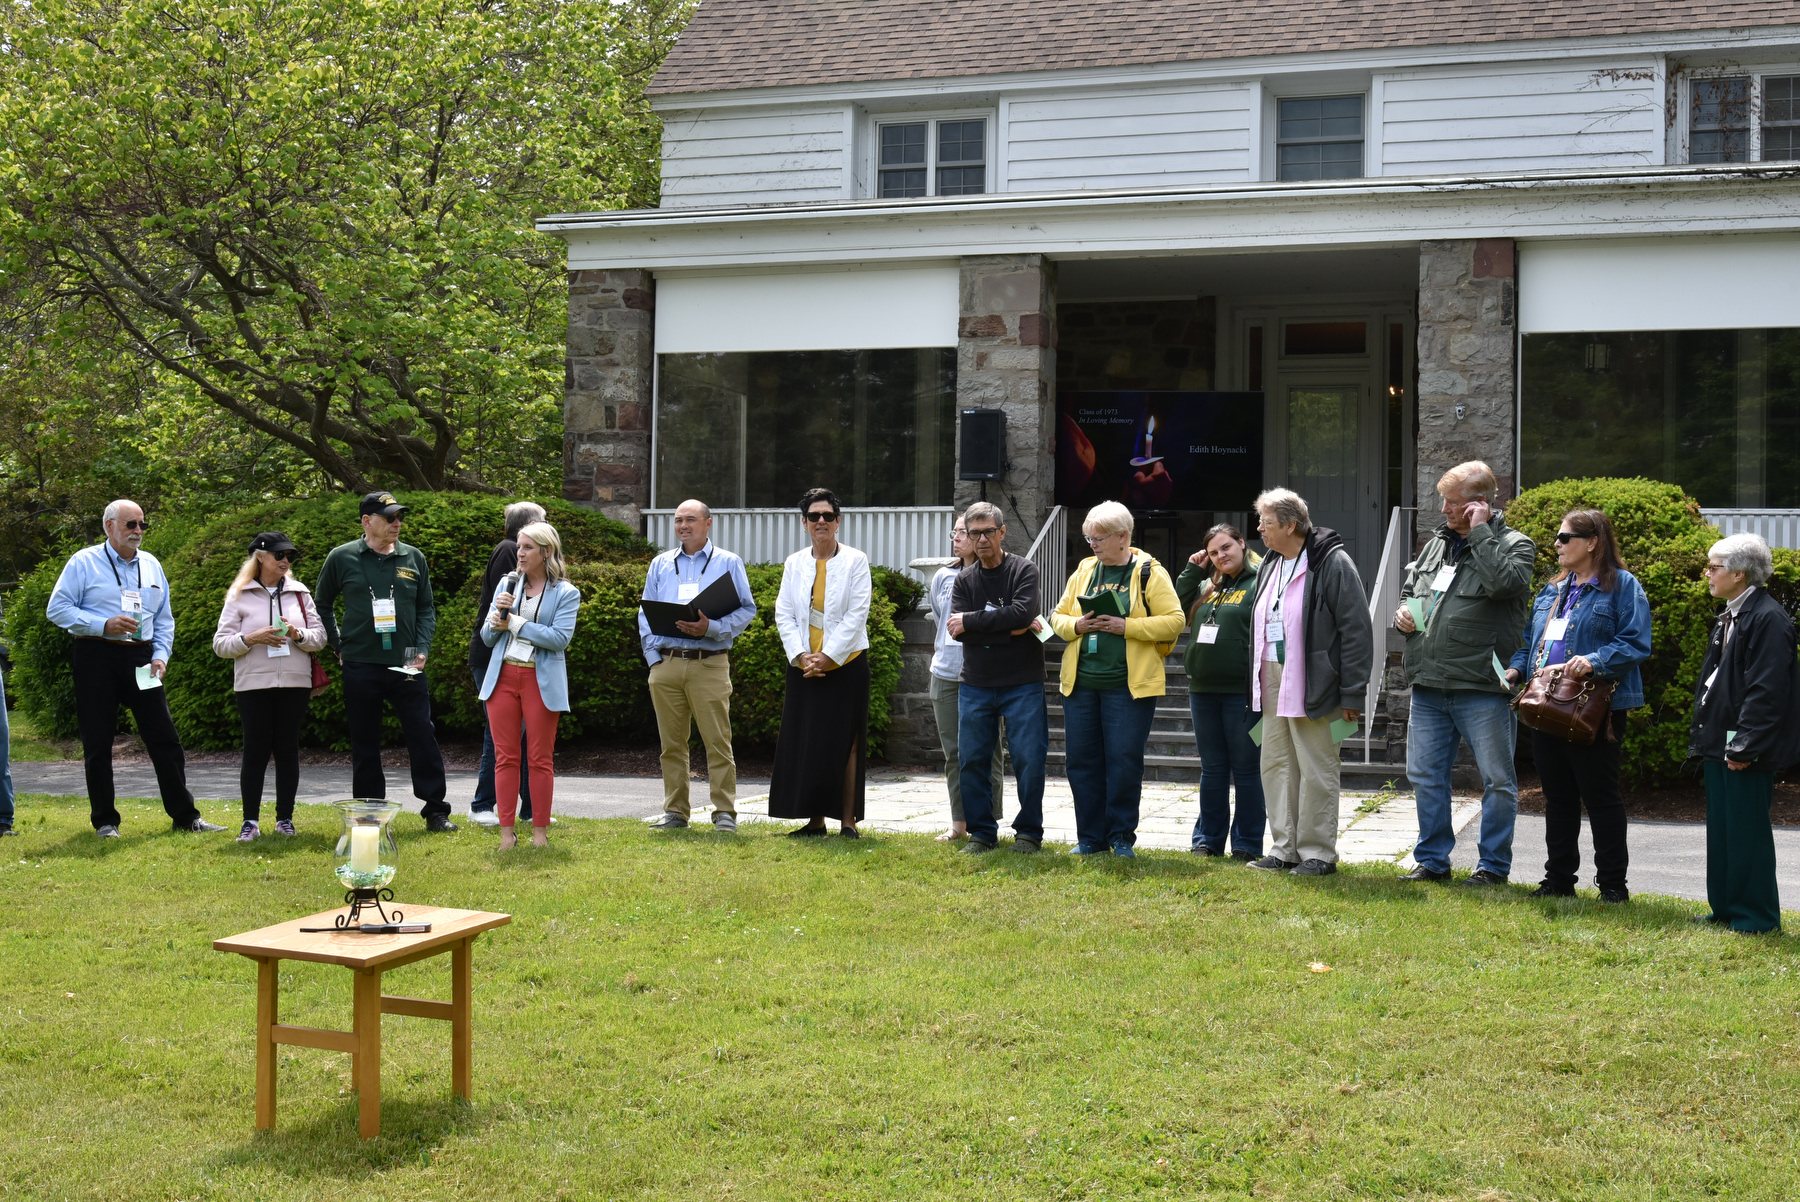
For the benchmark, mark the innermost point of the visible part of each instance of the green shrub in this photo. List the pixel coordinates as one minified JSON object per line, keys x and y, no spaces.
{"x":1663,"y":539}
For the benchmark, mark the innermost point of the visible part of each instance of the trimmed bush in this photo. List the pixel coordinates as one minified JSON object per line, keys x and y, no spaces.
{"x":1663,"y":539}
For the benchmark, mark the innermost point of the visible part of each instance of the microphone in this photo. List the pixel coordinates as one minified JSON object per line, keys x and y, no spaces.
{"x":507,"y":586}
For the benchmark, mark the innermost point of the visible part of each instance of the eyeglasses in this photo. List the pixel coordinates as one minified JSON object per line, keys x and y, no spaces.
{"x":959,"y":532}
{"x":1094,"y":540}
{"x":816,"y":516}
{"x":1710,"y":568}
{"x":131,"y":525}
{"x":982,"y":536}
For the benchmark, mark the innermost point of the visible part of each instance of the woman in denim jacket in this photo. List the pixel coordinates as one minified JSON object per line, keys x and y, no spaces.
{"x":1594,"y":618}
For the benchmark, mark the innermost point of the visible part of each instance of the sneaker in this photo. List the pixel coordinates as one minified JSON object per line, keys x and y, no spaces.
{"x":440,"y":824}
{"x":1201,"y":849}
{"x":1615,"y":897}
{"x":106,"y":832}
{"x":484,"y":818}
{"x":1124,"y":850}
{"x":725,"y":824}
{"x":1313,"y":868}
{"x":1025,"y":845}
{"x":249,"y":833}
{"x":977,"y":847}
{"x":1483,"y":878}
{"x":199,"y":826}
{"x":1548,"y":890}
{"x":1422,"y":873}
{"x":284,"y":827}
{"x":669,"y":821}
{"x":1273,"y":864}
{"x":1086,"y":849}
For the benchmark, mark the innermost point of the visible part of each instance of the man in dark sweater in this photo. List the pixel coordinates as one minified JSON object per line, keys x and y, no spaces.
{"x":503,"y":562}
{"x":994,"y":615}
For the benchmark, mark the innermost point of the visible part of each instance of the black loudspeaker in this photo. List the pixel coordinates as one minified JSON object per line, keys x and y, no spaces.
{"x":983,"y":445}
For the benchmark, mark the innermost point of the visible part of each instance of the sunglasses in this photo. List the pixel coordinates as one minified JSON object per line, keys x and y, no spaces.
{"x":287,"y":556}
{"x":131,"y":525}
{"x":819,"y":517}
{"x":1563,"y":537}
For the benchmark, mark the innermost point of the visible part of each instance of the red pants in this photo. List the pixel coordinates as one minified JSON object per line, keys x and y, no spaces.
{"x":515,"y":699}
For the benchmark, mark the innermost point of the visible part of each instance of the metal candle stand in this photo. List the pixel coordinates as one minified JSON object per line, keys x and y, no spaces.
{"x":360,"y":899}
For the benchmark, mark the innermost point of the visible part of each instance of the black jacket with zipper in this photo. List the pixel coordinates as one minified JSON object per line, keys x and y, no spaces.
{"x":1339,"y":642}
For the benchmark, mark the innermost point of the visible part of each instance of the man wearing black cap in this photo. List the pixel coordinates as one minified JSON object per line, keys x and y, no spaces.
{"x":386,"y":592}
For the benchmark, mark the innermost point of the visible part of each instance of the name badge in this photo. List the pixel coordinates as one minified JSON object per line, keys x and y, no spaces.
{"x":817,"y":618}
{"x":686,"y":592}
{"x":990,"y":607}
{"x":1208,"y":634}
{"x":1556,"y":629}
{"x":385,"y":621}
{"x":1442,"y":580}
{"x":1713,"y":677}
{"x":131,"y":601}
{"x":1274,"y":632}
{"x":279,"y":652}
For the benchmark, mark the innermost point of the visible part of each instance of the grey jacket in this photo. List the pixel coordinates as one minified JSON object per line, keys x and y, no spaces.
{"x":1340,"y":643}
{"x":1483,"y":613}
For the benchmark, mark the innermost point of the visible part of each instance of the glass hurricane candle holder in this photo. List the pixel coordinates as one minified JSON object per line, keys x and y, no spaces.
{"x":366,"y":859}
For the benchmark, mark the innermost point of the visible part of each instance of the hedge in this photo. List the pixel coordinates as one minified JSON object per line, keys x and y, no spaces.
{"x":456,"y":532}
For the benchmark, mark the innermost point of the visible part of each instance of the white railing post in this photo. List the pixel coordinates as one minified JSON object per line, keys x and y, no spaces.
{"x":890,"y":536}
{"x":1778,"y":527}
{"x":1384,"y":599}
{"x":1050,"y":552}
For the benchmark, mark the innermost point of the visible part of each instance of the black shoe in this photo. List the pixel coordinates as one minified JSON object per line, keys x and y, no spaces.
{"x":1201,"y":849}
{"x":6,"y":829}
{"x":1245,"y":856}
{"x":1548,"y":890}
{"x":1273,"y":864}
{"x":1482,"y":878}
{"x":848,"y":832}
{"x":1422,"y":873}
{"x":1707,"y":920}
{"x":1313,"y":868}
{"x":1025,"y":845}
{"x":437,"y":824}
{"x":808,"y":832}
{"x":977,"y":847}
{"x":1615,"y":897}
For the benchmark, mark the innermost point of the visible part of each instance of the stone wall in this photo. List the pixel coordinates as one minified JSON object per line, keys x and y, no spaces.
{"x":1006,"y":360}
{"x":912,"y":734}
{"x":606,"y":392}
{"x":1163,"y":345}
{"x":1468,"y":346}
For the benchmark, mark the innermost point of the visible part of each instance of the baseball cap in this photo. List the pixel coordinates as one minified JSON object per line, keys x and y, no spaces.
{"x":382,"y":503}
{"x":272,"y":540}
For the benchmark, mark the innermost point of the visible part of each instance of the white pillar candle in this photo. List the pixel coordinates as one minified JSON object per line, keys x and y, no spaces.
{"x":365,"y":851}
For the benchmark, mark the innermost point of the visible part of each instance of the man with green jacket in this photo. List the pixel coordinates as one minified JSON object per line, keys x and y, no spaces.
{"x":1463,"y":611}
{"x":388,"y":623}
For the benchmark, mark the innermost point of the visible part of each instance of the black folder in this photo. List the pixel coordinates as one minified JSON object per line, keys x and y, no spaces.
{"x":715,"y":601}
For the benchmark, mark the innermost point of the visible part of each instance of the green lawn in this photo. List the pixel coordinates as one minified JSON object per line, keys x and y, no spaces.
{"x":692,"y":1016}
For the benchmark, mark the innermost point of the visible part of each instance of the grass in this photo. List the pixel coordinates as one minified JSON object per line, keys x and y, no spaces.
{"x":28,"y":747}
{"x":690,"y":1016}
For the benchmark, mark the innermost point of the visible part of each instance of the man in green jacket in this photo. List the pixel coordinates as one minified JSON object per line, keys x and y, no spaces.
{"x":388,"y":617}
{"x":1463,"y":610}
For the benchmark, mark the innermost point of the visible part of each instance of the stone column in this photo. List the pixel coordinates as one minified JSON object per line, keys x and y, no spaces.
{"x":1467,"y":370}
{"x":606,"y":392}
{"x":1006,"y":359}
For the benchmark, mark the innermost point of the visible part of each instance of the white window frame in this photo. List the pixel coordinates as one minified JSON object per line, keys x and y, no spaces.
{"x":1684,"y":99}
{"x":1272,"y":116}
{"x":931,"y":120}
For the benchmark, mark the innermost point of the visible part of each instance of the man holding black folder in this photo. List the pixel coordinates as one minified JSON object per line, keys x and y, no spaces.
{"x":696,"y":602}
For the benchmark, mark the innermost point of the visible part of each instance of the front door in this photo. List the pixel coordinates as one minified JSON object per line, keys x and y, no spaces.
{"x":1326,"y":463}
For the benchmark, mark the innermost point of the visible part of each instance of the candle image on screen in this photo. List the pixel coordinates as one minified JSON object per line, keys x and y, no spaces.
{"x":365,"y":849}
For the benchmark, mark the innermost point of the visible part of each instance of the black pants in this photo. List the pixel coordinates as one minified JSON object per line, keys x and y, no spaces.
{"x":1574,"y":776}
{"x":106,"y":678}
{"x":272,"y":719}
{"x":366,"y":686}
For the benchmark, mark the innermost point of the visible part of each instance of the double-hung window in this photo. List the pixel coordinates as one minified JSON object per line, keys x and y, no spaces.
{"x":1743,"y":118}
{"x":931,"y":158}
{"x":1320,"y":137}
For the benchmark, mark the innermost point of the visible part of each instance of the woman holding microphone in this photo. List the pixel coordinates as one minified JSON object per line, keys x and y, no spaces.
{"x":272,"y":632}
{"x":530,"y":624}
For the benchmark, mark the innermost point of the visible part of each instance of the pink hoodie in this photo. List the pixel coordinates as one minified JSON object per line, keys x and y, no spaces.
{"x":249,"y":612}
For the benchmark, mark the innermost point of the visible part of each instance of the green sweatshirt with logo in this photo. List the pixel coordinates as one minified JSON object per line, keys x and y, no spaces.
{"x":356,"y":575}
{"x":1222,"y":666}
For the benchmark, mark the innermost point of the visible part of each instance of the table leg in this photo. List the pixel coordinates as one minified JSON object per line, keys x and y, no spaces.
{"x":368,"y":1060}
{"x":460,"y":997}
{"x":267,"y":982}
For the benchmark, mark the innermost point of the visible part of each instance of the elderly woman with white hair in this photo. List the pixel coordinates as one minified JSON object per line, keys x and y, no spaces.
{"x":1112,"y":676}
{"x":1311,"y":651}
{"x":1746,"y":728}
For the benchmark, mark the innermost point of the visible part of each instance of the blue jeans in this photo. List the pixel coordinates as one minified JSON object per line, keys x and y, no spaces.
{"x":1222,"y":723}
{"x":484,"y":783}
{"x":1441,"y":720}
{"x":6,"y":785}
{"x":1104,"y":731}
{"x":978,"y":715}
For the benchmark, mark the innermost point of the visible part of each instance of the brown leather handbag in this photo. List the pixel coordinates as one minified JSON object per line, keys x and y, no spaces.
{"x":1575,"y":711}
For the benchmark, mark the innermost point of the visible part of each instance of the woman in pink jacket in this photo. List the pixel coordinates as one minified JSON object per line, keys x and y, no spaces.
{"x":272,"y":629}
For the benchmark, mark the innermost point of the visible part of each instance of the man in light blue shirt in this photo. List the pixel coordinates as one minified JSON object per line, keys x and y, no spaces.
{"x":690,"y":676}
{"x":114,"y":600}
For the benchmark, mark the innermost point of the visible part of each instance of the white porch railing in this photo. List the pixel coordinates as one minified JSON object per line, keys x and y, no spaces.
{"x":1051,"y":555}
{"x":1384,"y":599}
{"x":890,"y":537}
{"x":1779,"y":527}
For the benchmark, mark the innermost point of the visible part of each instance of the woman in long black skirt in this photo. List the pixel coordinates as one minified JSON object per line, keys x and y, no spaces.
{"x":822,"y":614}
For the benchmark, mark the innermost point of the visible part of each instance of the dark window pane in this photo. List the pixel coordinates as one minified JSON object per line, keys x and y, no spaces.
{"x":1719,"y":125}
{"x":1720,"y":146}
{"x":903,"y":183}
{"x":1324,"y":338}
{"x":961,"y":181}
{"x":1340,"y":160}
{"x":699,"y":419}
{"x":961,"y":142}
{"x":1781,"y":99}
{"x":1781,"y":144}
{"x":1321,"y":117}
{"x":1299,"y":162}
{"x":1300,"y":118}
{"x":902,"y":145}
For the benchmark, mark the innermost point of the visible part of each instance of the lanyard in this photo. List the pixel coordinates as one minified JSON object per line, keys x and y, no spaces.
{"x":1282,"y":584}
{"x":136,"y":564}
{"x":704,"y":564}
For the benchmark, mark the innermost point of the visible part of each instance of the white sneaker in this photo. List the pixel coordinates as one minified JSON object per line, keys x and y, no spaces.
{"x":484,"y":818}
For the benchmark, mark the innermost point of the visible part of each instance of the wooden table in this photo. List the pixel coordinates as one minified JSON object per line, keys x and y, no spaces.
{"x":368,"y":956}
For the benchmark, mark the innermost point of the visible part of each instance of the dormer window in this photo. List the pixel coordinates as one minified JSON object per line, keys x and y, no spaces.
{"x":1320,"y":137}
{"x":1743,"y":118}
{"x":931,"y":158}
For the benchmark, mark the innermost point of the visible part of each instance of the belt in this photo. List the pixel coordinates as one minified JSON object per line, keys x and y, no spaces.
{"x":689,"y":653}
{"x":96,"y":638}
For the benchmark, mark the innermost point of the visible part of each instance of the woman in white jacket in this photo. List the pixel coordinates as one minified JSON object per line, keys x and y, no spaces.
{"x":272,"y":631}
{"x":822,"y":615}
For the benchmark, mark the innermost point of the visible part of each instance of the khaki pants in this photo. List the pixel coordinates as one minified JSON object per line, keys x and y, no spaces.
{"x":943,"y":708}
{"x":1300,"y":779}
{"x":689,"y":693}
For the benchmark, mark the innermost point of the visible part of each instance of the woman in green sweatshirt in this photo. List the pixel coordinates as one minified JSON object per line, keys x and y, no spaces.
{"x":1217,"y":590}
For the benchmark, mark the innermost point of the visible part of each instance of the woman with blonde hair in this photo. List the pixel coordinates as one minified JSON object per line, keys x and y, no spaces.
{"x":272,"y":632}
{"x":533,"y":616}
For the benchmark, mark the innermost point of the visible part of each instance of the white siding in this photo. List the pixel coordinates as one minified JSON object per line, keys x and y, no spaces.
{"x":1125,"y":139}
{"x":756,"y":157}
{"x":1519,"y":118}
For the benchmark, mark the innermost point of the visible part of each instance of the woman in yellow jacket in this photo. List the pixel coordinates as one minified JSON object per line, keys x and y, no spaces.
{"x":1112,"y":675}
